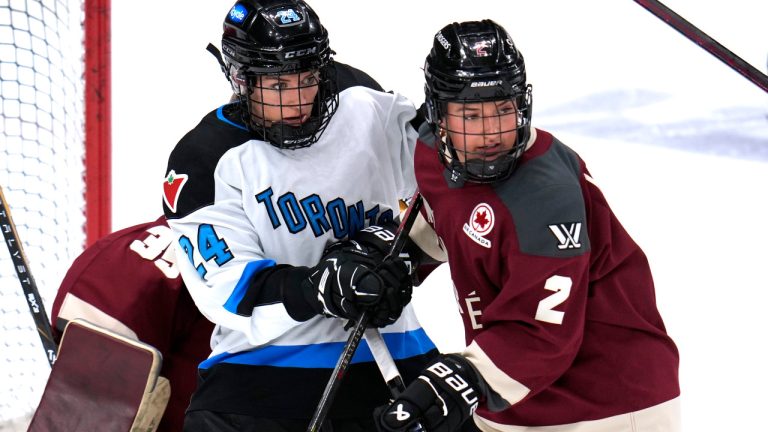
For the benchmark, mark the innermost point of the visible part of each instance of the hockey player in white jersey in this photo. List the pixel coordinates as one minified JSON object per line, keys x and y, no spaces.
{"x":264,"y":196}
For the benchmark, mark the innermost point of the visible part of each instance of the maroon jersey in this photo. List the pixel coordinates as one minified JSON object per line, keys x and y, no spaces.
{"x":557,"y":300}
{"x":128,"y":282}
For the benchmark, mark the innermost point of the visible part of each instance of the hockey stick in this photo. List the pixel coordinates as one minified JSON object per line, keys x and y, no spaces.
{"x":376,"y":343}
{"x":28,"y":285}
{"x":388,"y":368}
{"x":358,"y":330}
{"x":384,"y":361}
{"x":706,"y":42}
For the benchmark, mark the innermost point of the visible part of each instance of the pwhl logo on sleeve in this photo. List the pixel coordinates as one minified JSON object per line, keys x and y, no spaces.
{"x":480,"y":224}
{"x":172,"y":188}
{"x":567,"y":235}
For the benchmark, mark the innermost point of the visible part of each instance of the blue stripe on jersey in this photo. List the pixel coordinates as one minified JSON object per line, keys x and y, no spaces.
{"x":241,"y":288}
{"x":220,"y":115}
{"x":325,"y":355}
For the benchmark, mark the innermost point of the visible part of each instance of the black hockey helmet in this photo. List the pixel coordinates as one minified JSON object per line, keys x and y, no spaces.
{"x":471,"y":62}
{"x":274,"y":38}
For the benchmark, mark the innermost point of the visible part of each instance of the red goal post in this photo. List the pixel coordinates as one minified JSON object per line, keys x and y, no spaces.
{"x":98,"y":120}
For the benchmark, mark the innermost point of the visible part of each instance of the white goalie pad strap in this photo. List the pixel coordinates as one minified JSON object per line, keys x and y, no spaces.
{"x":508,"y":388}
{"x":73,"y":308}
{"x":152,"y":407}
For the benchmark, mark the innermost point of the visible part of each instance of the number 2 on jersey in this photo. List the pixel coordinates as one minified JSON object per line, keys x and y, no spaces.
{"x":561,"y":285}
{"x":209,"y":246}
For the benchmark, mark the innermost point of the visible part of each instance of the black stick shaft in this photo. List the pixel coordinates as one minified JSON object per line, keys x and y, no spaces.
{"x":28,"y":285}
{"x":706,"y":42}
{"x":338,"y":374}
{"x":401,"y":237}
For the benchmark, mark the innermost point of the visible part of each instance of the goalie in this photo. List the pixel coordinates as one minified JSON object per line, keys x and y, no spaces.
{"x":127,"y":282}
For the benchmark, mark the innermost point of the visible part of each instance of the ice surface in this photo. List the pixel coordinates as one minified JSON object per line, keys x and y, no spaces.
{"x":677,"y":141}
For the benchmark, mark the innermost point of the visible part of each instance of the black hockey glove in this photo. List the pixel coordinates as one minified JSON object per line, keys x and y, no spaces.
{"x":397,"y":272}
{"x":377,"y":241}
{"x":347,"y":281}
{"x":396,"y":292}
{"x":444,"y":396}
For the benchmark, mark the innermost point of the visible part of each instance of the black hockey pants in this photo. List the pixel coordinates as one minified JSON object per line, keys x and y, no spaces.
{"x":210,"y":421}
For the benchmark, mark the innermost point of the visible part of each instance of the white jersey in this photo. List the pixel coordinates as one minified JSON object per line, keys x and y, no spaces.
{"x":239,"y":205}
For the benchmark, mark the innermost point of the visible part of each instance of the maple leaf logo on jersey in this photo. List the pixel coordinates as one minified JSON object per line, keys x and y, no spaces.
{"x":480,"y":224}
{"x":481,"y":220}
{"x":172,"y":188}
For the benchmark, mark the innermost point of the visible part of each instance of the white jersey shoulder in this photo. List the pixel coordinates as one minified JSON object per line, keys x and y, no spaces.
{"x":275,"y":206}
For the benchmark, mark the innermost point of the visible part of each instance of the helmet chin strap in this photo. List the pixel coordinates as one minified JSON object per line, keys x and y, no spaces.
{"x":211,"y":48}
{"x":454,"y":172}
{"x":484,"y":168}
{"x":291,"y":136}
{"x":454,"y":175}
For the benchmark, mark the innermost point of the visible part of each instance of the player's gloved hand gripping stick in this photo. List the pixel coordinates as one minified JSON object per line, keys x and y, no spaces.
{"x":394,"y":381}
{"x":388,"y":367}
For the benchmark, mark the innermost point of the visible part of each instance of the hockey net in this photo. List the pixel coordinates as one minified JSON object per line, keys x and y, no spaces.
{"x":43,"y":175}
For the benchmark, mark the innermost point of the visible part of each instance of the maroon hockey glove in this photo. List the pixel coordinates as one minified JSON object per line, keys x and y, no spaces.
{"x":441,"y":399}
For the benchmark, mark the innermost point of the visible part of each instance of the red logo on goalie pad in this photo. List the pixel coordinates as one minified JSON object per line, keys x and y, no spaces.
{"x":172,"y":188}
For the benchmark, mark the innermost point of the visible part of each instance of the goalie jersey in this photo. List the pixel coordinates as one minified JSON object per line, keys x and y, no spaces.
{"x":128,"y":282}
{"x":239,"y":205}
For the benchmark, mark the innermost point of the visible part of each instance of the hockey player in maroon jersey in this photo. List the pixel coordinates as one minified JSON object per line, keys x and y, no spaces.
{"x":128,"y":282}
{"x":558,"y":301}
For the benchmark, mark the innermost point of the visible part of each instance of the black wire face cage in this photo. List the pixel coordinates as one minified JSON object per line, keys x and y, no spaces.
{"x":291,"y":122}
{"x":484,"y":155}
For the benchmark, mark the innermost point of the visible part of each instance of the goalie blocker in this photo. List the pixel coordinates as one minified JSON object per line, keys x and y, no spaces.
{"x":102,"y":381}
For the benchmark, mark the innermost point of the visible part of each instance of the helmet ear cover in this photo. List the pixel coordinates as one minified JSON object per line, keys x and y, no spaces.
{"x":277,"y":38}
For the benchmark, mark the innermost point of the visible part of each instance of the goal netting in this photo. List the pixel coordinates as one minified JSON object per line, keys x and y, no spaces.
{"x":43,"y":176}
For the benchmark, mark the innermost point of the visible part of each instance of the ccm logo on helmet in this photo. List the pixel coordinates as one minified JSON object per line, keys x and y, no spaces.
{"x":227,"y":50}
{"x":300,"y":53}
{"x":485,"y":83}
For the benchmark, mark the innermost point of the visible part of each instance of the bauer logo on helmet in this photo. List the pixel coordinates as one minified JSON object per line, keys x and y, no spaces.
{"x":485,"y":83}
